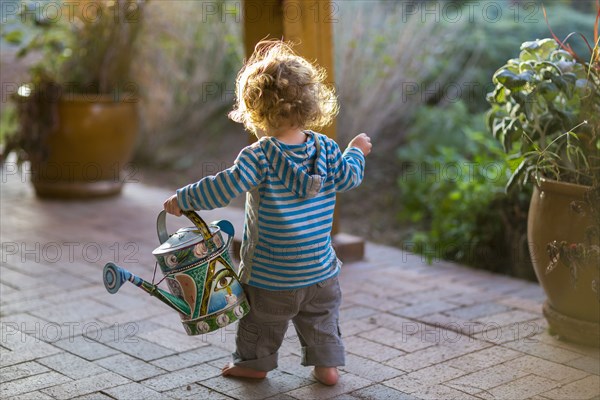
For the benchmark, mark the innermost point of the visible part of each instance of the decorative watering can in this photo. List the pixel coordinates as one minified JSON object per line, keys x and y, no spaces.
{"x":195,"y":263}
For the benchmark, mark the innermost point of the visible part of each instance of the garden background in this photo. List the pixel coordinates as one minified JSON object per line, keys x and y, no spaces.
{"x":412,"y":74}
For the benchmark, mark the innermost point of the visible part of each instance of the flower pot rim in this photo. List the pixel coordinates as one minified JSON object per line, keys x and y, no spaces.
{"x":551,"y":185}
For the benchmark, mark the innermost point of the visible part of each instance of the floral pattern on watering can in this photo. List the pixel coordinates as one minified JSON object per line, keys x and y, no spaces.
{"x":200,"y":252}
{"x":203,"y":285}
{"x":200,"y":272}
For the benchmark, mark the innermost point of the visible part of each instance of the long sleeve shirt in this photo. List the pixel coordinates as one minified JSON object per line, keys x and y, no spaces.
{"x":291,"y":192}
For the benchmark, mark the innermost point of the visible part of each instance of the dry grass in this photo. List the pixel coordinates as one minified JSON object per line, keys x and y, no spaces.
{"x":187,"y":71}
{"x":388,"y":64}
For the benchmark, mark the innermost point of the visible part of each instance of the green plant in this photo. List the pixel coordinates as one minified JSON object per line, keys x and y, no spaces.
{"x":89,"y":48}
{"x":520,"y":21}
{"x":452,"y":191}
{"x":546,"y":113}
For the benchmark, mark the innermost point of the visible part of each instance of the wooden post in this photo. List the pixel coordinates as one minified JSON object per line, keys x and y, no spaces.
{"x":307,"y":24}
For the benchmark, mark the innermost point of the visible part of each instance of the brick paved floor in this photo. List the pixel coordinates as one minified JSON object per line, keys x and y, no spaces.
{"x":412,"y":331}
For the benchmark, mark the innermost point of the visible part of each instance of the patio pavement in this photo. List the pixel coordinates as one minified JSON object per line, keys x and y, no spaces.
{"x":412,"y":331}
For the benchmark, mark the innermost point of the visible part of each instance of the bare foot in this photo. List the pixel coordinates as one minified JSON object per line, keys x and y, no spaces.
{"x":326,"y":375}
{"x":234,"y":370}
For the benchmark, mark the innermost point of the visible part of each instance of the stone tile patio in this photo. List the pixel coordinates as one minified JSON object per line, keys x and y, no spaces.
{"x":412,"y":331}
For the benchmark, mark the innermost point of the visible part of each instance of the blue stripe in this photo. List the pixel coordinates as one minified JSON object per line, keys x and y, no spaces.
{"x":196,"y":197}
{"x":300,"y":203}
{"x":266,"y":192}
{"x":287,"y":262}
{"x":299,"y":212}
{"x":252,"y":156}
{"x":238,"y":189}
{"x":299,"y":245}
{"x":245,"y":179}
{"x":305,"y":184}
{"x":253,"y":173}
{"x":289,"y":258}
{"x":229,"y":187}
{"x":278,"y":163}
{"x":211,"y":193}
{"x":327,"y":221}
{"x":296,"y":237}
{"x":203,"y":195}
{"x":274,"y":191}
{"x":224,"y":199}
{"x":291,"y":221}
{"x":184,"y":194}
{"x":284,"y":254}
{"x":285,"y":172}
{"x":311,"y":274}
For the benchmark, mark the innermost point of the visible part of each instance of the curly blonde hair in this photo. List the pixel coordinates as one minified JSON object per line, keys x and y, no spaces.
{"x":276,"y":87}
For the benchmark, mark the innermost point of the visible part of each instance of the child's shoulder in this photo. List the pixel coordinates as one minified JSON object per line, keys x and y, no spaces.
{"x":325,"y":140}
{"x":253,"y":151}
{"x":254,"y":147}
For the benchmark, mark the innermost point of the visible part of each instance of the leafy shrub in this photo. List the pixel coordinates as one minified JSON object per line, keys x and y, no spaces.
{"x":546,"y":112}
{"x":490,"y":44}
{"x":452,"y":181}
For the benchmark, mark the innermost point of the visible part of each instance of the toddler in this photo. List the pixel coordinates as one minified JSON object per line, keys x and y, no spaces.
{"x":290,"y":175}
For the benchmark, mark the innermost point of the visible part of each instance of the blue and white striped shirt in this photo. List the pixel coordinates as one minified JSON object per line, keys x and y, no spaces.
{"x":290,"y":199}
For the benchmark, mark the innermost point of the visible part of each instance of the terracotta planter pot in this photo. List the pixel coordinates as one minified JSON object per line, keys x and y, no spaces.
{"x":559,"y":213}
{"x":89,"y":152}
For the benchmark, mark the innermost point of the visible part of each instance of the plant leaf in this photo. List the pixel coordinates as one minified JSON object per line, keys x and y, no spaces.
{"x":511,"y":80}
{"x":14,"y":37}
{"x":517,"y":176}
{"x":540,"y":48}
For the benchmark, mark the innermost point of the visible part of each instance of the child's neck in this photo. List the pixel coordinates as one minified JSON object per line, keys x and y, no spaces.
{"x":290,"y":135}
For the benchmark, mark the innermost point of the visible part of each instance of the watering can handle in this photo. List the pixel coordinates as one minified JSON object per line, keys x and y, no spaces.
{"x":161,"y":225}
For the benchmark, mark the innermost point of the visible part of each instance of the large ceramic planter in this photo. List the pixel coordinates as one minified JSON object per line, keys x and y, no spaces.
{"x":558,"y":212}
{"x":89,"y":150}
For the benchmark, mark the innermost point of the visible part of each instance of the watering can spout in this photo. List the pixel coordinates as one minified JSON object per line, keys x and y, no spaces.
{"x":115,"y":276}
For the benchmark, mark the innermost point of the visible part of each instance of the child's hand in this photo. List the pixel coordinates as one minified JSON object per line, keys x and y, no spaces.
{"x":363,"y":142}
{"x":171,"y":206}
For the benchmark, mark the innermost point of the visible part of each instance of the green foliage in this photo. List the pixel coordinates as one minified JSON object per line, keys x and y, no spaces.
{"x":452,"y":189}
{"x":489,"y":44}
{"x":546,"y":114}
{"x":84,"y":52}
{"x":8,"y":121}
{"x":75,"y":52}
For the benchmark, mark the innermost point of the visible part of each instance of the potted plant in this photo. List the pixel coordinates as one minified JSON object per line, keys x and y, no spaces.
{"x":77,"y":115}
{"x":545,"y":110}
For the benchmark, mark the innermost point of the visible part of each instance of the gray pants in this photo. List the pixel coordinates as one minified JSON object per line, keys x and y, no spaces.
{"x":314,"y":310}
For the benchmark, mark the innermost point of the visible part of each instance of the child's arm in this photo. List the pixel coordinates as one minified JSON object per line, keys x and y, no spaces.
{"x":350,"y":166}
{"x":218,"y":190}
